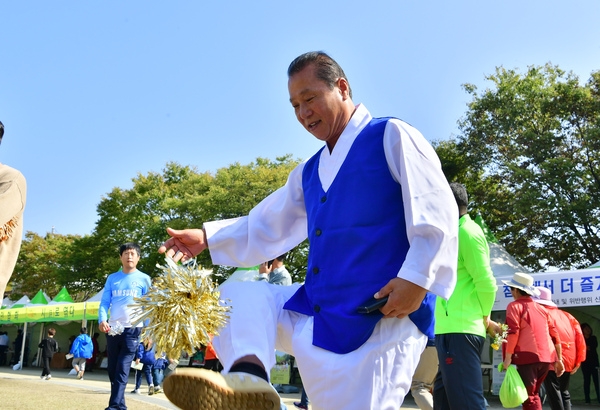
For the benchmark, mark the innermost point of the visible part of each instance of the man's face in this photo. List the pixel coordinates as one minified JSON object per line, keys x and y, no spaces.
{"x":129,"y":259}
{"x":321,"y":110}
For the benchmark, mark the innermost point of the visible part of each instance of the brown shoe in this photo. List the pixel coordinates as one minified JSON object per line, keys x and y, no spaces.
{"x":201,"y":389}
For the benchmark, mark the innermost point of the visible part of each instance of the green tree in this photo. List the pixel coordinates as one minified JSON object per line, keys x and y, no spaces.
{"x":39,"y":264}
{"x":81,"y":270}
{"x":180,"y":197}
{"x":534,"y":142}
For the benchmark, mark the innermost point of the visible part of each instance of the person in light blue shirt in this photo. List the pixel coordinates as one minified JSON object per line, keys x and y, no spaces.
{"x":123,"y":336}
{"x":275,"y":272}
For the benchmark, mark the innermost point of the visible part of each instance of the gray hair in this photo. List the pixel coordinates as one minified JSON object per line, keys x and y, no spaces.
{"x":326,"y":68}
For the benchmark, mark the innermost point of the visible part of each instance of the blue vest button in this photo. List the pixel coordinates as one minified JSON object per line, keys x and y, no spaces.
{"x":315,"y":270}
{"x":317,"y":308}
{"x":323,"y":199}
{"x":318,"y":232}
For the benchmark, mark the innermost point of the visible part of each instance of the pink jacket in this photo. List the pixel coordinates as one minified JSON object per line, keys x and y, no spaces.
{"x":531,"y":332}
{"x":571,"y":337}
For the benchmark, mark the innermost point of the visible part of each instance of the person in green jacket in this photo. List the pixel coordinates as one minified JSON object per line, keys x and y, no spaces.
{"x":461,"y":322}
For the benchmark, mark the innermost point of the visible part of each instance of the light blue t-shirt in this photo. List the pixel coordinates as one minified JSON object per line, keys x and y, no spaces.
{"x":119,"y":291}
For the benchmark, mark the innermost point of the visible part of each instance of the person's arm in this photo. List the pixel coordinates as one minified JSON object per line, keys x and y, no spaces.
{"x":264,"y":272}
{"x":559,"y":366}
{"x":475,"y":255}
{"x":580,"y":351}
{"x":273,"y":227}
{"x":12,"y":194}
{"x":139,"y":352}
{"x":103,"y":325}
{"x":431,"y":224}
{"x":513,"y":320}
{"x":74,"y":346}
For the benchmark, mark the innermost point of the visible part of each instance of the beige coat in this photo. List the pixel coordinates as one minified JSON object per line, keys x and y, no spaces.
{"x":13,"y":190}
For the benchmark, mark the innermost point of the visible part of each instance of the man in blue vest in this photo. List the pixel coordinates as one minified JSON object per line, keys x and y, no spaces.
{"x":380,"y":219}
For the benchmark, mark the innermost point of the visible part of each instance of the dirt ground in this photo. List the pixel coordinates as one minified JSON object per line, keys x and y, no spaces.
{"x":21,"y":394}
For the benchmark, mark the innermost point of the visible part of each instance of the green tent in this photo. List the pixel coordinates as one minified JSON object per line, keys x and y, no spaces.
{"x":40,"y":298}
{"x":62,"y":297}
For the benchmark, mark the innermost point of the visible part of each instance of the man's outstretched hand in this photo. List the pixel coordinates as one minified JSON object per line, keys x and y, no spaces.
{"x":184,"y":244}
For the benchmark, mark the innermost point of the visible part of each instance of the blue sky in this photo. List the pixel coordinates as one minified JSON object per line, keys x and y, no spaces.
{"x":93,"y":93}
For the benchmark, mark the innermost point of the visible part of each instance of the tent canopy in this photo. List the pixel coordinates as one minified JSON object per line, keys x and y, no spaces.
{"x":40,"y":298}
{"x":20,"y":303}
{"x":39,"y":309}
{"x":62,"y":297}
{"x":501,"y":262}
{"x":6,"y":303}
{"x":570,"y":289}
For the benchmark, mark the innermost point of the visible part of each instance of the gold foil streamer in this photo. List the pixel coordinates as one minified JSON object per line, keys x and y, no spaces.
{"x":183,"y":308}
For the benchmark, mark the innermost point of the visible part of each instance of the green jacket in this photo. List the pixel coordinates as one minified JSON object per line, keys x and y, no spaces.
{"x":475,"y":291}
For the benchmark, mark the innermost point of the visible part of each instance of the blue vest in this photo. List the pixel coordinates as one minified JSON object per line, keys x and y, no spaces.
{"x":358,"y":243}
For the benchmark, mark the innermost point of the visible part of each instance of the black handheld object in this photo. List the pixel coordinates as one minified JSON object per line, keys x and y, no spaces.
{"x":372,"y":305}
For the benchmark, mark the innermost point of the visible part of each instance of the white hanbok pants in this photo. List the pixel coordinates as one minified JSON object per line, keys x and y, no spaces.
{"x":375,"y":376}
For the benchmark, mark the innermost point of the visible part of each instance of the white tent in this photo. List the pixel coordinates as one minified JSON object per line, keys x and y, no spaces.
{"x":97,"y":297}
{"x":21,"y":302}
{"x":502,"y":262}
{"x":7,"y":303}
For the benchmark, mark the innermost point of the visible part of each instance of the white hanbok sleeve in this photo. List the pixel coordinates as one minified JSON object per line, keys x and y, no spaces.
{"x":273,"y":227}
{"x":430,"y":209}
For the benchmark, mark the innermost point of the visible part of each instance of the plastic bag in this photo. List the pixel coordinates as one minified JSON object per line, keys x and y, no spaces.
{"x":512,"y":391}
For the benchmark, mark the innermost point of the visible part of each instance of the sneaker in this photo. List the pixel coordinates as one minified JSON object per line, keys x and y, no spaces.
{"x":80,"y":374}
{"x":192,"y":389}
{"x":300,"y":405}
{"x":151,"y":390}
{"x":43,"y":377}
{"x":135,"y":391}
{"x":157,"y":389}
{"x":48,"y":377}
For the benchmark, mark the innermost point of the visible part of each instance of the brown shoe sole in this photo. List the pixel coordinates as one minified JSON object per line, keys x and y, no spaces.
{"x":200,"y":389}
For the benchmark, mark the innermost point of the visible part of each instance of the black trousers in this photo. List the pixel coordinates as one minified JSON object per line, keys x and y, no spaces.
{"x":590,"y":373}
{"x":458,"y":384}
{"x":46,"y":370}
{"x":3,"y":351}
{"x":557,"y":390}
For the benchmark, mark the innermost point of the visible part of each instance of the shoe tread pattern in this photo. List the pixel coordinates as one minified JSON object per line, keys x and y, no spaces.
{"x":194,"y":393}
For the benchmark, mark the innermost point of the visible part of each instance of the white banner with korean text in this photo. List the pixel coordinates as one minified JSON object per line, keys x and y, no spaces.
{"x":574,"y":288}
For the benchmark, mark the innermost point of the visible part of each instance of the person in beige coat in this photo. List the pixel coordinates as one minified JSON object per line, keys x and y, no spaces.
{"x":12,"y":203}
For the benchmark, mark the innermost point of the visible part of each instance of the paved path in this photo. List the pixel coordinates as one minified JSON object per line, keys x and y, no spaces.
{"x":98,"y":382}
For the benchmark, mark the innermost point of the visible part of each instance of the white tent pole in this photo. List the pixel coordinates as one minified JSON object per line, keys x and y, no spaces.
{"x":39,"y":355}
{"x":23,"y":345}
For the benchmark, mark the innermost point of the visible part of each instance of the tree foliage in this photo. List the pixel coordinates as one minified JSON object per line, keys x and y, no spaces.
{"x":39,"y":264}
{"x":179,"y":197}
{"x":530,"y":151}
{"x":527,"y":152}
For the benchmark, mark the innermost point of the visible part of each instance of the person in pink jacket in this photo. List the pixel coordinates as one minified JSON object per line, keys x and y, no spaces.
{"x":573,"y":352}
{"x":531,"y":334}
